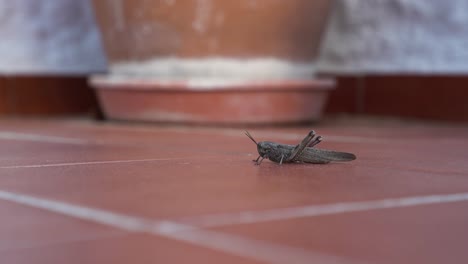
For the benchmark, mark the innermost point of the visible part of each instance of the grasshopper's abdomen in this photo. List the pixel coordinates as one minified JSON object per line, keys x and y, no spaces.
{"x":316,"y":155}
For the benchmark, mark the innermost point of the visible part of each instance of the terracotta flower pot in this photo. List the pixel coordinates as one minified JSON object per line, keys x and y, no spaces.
{"x":212,"y":61}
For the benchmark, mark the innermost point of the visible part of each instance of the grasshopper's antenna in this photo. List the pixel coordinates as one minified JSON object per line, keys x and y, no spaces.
{"x":248,"y":134}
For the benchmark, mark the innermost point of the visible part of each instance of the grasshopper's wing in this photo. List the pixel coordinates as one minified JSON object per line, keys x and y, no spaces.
{"x":315,"y":155}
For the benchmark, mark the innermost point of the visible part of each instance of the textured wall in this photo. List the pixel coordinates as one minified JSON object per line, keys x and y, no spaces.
{"x":396,"y":36}
{"x":49,"y":36}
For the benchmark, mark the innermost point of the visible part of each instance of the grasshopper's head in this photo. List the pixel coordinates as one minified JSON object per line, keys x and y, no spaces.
{"x":264,"y":148}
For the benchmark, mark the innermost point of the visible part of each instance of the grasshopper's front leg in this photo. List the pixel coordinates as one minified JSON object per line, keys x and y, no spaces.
{"x":258,"y":162}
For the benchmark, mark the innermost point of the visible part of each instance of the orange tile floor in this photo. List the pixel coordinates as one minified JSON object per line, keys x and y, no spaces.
{"x":78,"y":191}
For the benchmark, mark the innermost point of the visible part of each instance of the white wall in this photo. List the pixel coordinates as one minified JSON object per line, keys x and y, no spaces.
{"x":49,"y":36}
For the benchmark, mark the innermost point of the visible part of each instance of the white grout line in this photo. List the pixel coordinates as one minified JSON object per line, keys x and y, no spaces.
{"x":297,"y":136}
{"x":250,"y":217}
{"x":226,"y":243}
{"x":267,"y":136}
{"x":41,"y":138}
{"x":354,"y":139}
{"x":234,"y":132}
{"x":90,"y":163}
{"x":227,"y":132}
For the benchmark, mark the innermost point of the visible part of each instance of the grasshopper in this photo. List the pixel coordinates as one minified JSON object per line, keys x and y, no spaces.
{"x":302,"y":152}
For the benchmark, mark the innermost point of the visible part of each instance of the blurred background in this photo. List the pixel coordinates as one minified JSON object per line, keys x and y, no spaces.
{"x":254,"y":61}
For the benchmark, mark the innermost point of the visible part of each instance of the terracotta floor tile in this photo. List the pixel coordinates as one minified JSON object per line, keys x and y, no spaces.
{"x":184,"y":188}
{"x":184,"y":173}
{"x":228,"y":181}
{"x":22,"y":228}
{"x":32,"y":153}
{"x":422,"y":234}
{"x":132,"y":248}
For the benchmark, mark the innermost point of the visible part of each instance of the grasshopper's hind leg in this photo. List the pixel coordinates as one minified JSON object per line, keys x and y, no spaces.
{"x":314,"y":142}
{"x":301,"y":146}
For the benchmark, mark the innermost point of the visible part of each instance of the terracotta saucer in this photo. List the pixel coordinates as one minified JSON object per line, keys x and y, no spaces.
{"x":212,"y":101}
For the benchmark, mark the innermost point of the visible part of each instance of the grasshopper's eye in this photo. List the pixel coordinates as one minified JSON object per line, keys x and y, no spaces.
{"x":263,"y":149}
